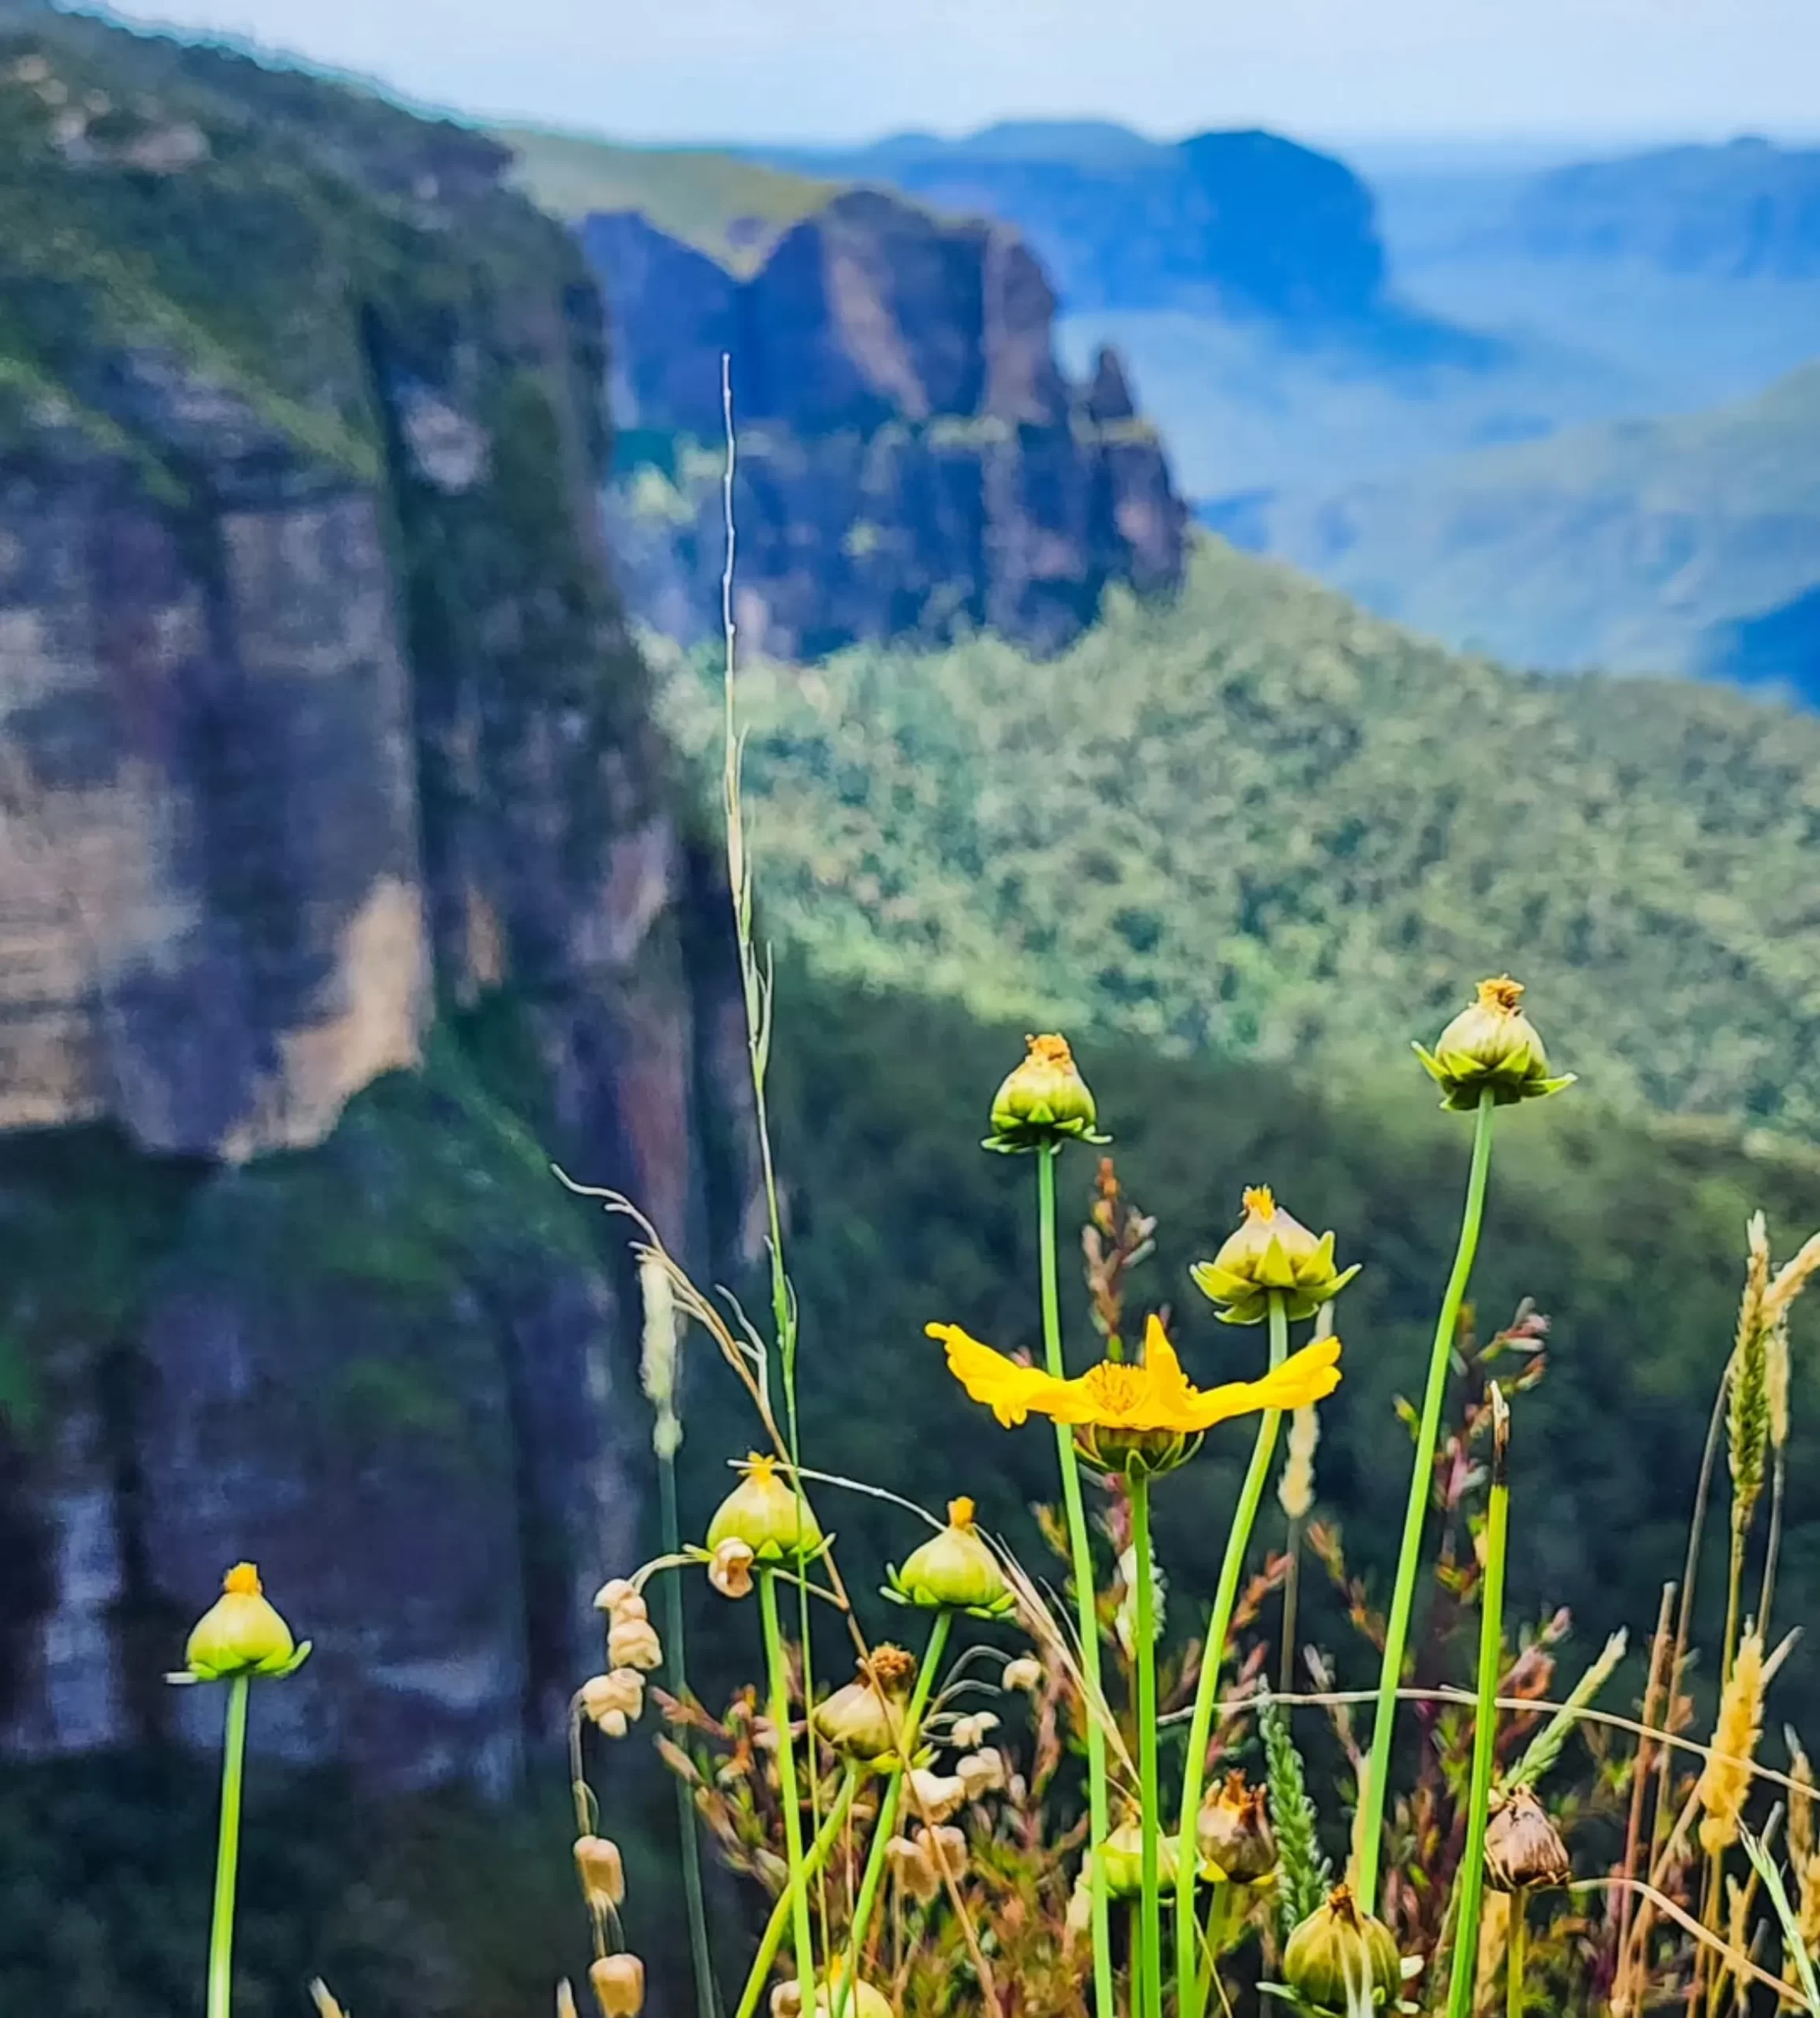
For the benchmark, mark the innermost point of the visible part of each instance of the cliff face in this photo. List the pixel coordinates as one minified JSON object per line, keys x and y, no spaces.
{"x":912,"y":459}
{"x":340,"y":885}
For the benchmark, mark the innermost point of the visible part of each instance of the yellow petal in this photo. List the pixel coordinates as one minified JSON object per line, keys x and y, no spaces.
{"x":1010,"y":1391}
{"x":1170,"y":1389}
{"x":1309,"y":1375}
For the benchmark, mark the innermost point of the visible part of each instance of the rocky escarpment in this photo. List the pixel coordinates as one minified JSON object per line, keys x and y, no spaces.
{"x":912,"y":460}
{"x":340,"y":885}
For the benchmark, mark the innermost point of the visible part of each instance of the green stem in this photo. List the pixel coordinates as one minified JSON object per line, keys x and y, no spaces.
{"x":1214,"y":1944}
{"x":1099,"y":1805}
{"x":887,"y":1808}
{"x":228,"y":1850}
{"x":1464,"y":1981}
{"x":1151,"y":1922}
{"x":1212,"y":1654}
{"x":818,"y":1852}
{"x":707,"y":2002}
{"x":1515,"y":1957}
{"x":780,"y":1689}
{"x":1421,"y":1484}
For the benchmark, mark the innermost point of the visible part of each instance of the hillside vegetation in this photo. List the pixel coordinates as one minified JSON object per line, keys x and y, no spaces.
{"x":1260,"y":822}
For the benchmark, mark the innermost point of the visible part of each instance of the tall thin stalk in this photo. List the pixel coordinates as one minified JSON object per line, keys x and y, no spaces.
{"x":1465,"y":1978}
{"x":779,"y":1676}
{"x":819,"y":1852}
{"x":1421,"y":1485}
{"x":887,"y":1808}
{"x":1212,"y":1654}
{"x":228,"y":1850}
{"x":1099,"y":1805}
{"x":1516,"y":1953}
{"x":1150,"y":1927}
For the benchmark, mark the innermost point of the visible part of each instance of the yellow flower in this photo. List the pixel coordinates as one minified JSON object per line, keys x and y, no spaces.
{"x":1146,"y":1415}
{"x":1270,"y":1251}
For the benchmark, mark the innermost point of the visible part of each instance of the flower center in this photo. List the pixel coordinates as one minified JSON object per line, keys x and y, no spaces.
{"x":1118,"y":1389}
{"x":1503,"y":994}
{"x":1050,"y":1051}
{"x":761,"y":1469}
{"x":243,"y":1582}
{"x":1260,"y":1202}
{"x":960,"y":1513}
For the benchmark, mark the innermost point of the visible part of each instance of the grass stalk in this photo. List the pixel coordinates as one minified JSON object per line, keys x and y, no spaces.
{"x":887,"y":1808}
{"x":818,"y":1852}
{"x":707,"y":2000}
{"x":1516,"y":1951}
{"x":1206,"y":1686}
{"x":1151,"y":1919}
{"x":778,"y":1676}
{"x":1465,"y":1972}
{"x":228,"y":1850}
{"x":1099,"y":1803}
{"x":1421,"y":1485}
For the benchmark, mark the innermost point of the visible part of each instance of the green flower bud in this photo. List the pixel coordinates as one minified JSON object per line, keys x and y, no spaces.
{"x":1043,"y":1102}
{"x":1339,"y":1958}
{"x":954,"y":1569}
{"x":766,"y":1514}
{"x":1522,"y":1847}
{"x":865,"y":1720}
{"x":1122,"y":1856}
{"x":241,"y":1634}
{"x":1232,"y":1832}
{"x":1491,"y":1046}
{"x":1270,"y":1251}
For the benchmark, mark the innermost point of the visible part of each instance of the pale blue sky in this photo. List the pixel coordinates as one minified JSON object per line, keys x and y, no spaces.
{"x":842,"y":70}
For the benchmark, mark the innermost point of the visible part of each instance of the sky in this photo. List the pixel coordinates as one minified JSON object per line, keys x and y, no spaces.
{"x":842,"y":70}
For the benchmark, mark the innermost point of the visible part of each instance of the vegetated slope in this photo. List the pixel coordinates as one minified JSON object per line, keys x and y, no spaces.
{"x":1261,"y":822}
{"x":1620,"y":545}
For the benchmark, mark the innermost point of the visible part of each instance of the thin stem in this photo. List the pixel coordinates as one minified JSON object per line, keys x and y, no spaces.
{"x":1421,"y":1485}
{"x":228,"y":1850}
{"x":1516,"y":1952}
{"x":1778,"y":1487}
{"x":1471,"y":1881}
{"x":779,"y":1690}
{"x":888,"y":1807}
{"x":1640,"y":1788}
{"x":1151,"y":1921}
{"x":816,"y":1860}
{"x":1291,"y":1592}
{"x":707,"y":2001}
{"x":1212,"y":1654}
{"x":1099,"y":1806}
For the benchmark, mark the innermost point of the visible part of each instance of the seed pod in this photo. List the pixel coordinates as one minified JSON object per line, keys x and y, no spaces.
{"x":601,"y":1871}
{"x":911,"y":1862}
{"x":730,"y":1571}
{"x":980,"y":1773}
{"x":615,"y":1593}
{"x":1044,"y":1101}
{"x":1232,"y":1832}
{"x":1270,"y":1251}
{"x":1522,"y":1847}
{"x":241,"y":1633}
{"x":955,"y":1569}
{"x":619,"y":1981}
{"x":936,"y":1795}
{"x":1123,"y":1854}
{"x":1339,"y":1955}
{"x":865,"y":1720}
{"x":765,"y":1513}
{"x":1024,"y":1673}
{"x":1491,"y":1045}
{"x":632,"y":1643}
{"x":945,"y":1848}
{"x":620,"y":1695}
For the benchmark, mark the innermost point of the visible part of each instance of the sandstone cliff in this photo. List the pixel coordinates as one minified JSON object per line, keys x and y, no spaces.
{"x":913,"y":461}
{"x":339,"y":884}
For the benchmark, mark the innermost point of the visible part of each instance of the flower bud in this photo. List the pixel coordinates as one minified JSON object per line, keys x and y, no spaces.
{"x":1024,"y":1673}
{"x":241,"y":1633}
{"x":865,"y":1720}
{"x":862,"y":2000}
{"x":730,"y":1568}
{"x":1043,"y":1102}
{"x":766,"y":1514}
{"x":1233,"y":1833}
{"x":616,"y":1699}
{"x":1491,"y":1046}
{"x":910,"y":1863}
{"x":632,"y":1643}
{"x":1339,"y":1958}
{"x":953,"y":1569}
{"x":980,"y":1773}
{"x":1522,"y":1847}
{"x":1270,"y":1251}
{"x":1122,"y":1853}
{"x":946,"y":1850}
{"x":619,"y":1981}
{"x":601,"y":1872}
{"x":615,"y":1594}
{"x":968,"y":1733}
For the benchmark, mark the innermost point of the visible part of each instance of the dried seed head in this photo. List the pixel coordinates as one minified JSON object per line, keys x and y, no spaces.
{"x":1522,"y":1847}
{"x":1725,"y":1783}
{"x":935,"y":1795}
{"x":601,"y":1871}
{"x":1296,"y":1492}
{"x":892,"y":1668}
{"x":1777,"y":1384}
{"x":619,"y":1981}
{"x":945,"y":1849}
{"x":1232,"y":1832}
{"x":909,"y":1863}
{"x":1800,"y":1803}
